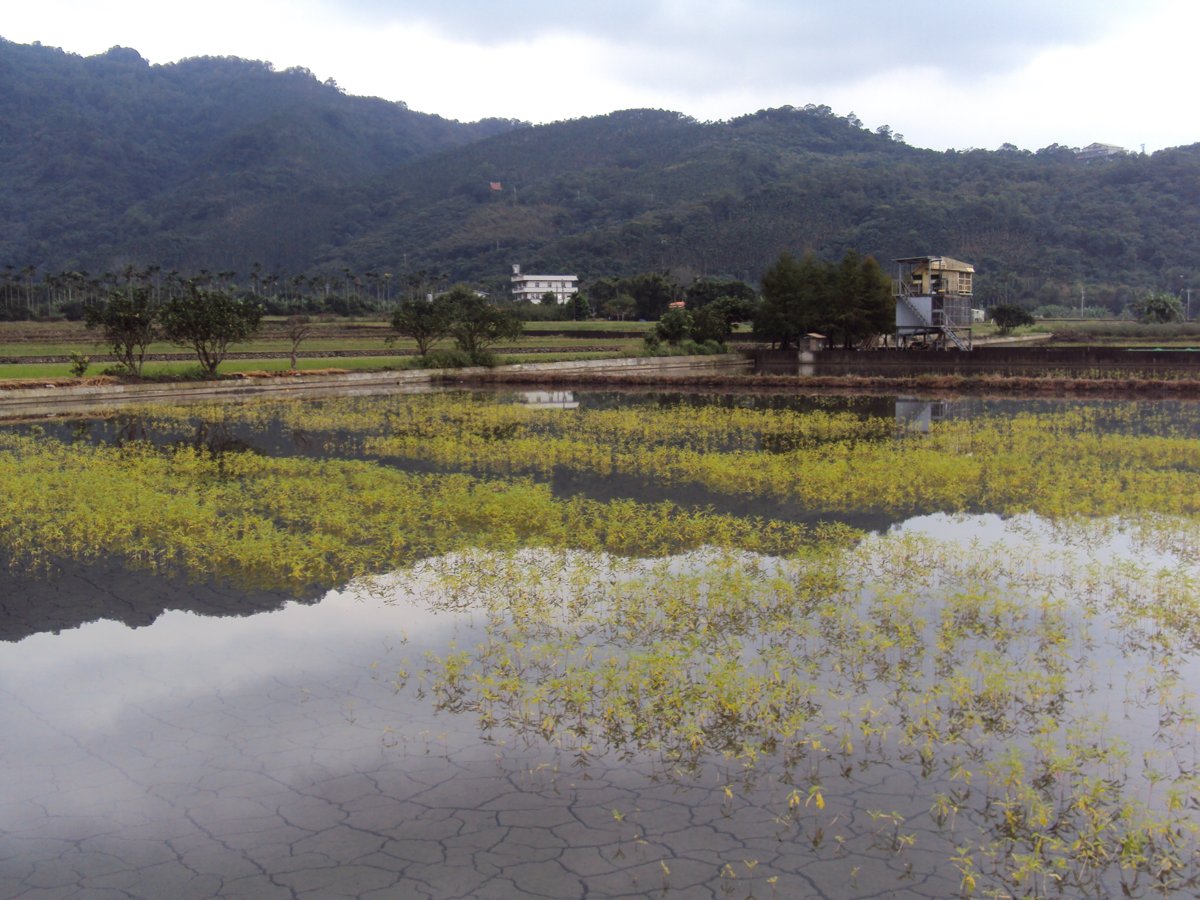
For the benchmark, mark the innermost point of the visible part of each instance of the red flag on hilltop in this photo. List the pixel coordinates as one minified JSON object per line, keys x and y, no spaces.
{"x":496,"y":186}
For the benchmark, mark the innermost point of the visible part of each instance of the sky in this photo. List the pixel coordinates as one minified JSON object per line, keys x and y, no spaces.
{"x":942,"y":73}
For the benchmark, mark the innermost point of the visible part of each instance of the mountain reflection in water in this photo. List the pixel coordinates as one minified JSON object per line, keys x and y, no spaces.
{"x":299,"y":752}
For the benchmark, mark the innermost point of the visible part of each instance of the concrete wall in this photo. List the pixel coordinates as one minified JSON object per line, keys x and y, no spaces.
{"x":994,"y":360}
{"x":730,"y":363}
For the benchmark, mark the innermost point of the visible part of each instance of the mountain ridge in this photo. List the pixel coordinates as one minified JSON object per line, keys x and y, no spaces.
{"x":223,"y":163}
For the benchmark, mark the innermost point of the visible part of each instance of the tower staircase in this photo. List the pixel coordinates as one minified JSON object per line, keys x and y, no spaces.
{"x":937,"y":323}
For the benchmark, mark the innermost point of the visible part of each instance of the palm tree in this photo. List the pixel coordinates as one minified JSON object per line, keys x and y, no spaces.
{"x":173,"y":281}
{"x":151,"y":273}
{"x":9,"y":270}
{"x":27,"y":273}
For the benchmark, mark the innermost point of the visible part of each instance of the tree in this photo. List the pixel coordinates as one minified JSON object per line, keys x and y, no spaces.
{"x":674,"y":326}
{"x":581,"y":310}
{"x":1008,"y":316}
{"x":795,"y":299}
{"x":620,"y":306}
{"x":129,"y":322}
{"x":652,"y":293}
{"x":425,"y":321}
{"x":704,"y":291}
{"x":601,"y":291}
{"x":1158,"y":308}
{"x":299,"y":328}
{"x":864,"y":304}
{"x":209,"y":321}
{"x":715,"y":321}
{"x":477,"y":324}
{"x":848,"y":302}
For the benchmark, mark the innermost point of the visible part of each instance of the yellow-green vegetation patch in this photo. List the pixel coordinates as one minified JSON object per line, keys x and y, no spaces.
{"x":1038,"y":708}
{"x":297,"y":522}
{"x":1094,"y":460}
{"x":1026,"y":699}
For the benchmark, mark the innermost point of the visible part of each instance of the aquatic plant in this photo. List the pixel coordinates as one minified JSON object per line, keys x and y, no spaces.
{"x":298,"y":523}
{"x":1095,"y":461}
{"x":1034,"y":689}
{"x":1039,"y":701}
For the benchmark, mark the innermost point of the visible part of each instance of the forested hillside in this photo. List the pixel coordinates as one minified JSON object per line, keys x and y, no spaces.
{"x":205,"y":163}
{"x":220,"y":164}
{"x":641,"y":190}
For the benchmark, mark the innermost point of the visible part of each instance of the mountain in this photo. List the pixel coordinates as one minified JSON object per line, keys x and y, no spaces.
{"x":643,"y":189}
{"x":108,"y":160}
{"x":223,"y":163}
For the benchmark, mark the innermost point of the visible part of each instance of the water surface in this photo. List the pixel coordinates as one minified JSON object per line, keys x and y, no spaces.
{"x":181,"y":733}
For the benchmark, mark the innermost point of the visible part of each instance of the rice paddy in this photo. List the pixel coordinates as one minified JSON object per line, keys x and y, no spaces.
{"x":802,"y":646}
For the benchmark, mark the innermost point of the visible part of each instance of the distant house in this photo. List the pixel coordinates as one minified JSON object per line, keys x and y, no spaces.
{"x":534,"y":287}
{"x":1099,"y":151}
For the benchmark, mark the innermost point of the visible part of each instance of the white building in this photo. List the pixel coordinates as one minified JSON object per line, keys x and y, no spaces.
{"x":534,"y":287}
{"x":1099,"y":151}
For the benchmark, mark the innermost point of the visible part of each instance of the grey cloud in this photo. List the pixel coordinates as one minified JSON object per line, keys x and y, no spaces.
{"x":689,"y":45}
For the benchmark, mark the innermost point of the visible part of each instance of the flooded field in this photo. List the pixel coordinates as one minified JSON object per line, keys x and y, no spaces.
{"x":556,"y":645}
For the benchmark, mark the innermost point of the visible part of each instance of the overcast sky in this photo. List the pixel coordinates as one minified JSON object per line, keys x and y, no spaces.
{"x":944,"y":73}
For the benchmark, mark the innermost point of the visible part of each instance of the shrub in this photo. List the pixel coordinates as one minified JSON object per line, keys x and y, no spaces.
{"x":674,"y":326}
{"x":1008,"y":316}
{"x":1158,"y":308}
{"x":455,"y":359}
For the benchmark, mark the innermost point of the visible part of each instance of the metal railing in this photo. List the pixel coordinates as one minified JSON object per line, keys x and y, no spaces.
{"x":947,"y":317}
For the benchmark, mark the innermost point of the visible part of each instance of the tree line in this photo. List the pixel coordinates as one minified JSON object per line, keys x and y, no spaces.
{"x":206,"y":320}
{"x":27,"y":294}
{"x":846,"y":302}
{"x":209,"y":321}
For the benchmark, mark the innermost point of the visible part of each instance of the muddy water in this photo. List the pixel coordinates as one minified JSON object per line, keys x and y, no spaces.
{"x":296,"y":752}
{"x":160,"y":738}
{"x":275,"y":755}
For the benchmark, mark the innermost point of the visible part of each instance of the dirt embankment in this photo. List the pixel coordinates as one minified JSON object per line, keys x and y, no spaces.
{"x":1008,"y":385}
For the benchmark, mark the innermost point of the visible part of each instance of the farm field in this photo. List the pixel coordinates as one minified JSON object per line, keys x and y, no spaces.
{"x":65,"y":336}
{"x":1092,"y":333}
{"x":42,"y":350}
{"x":557,"y":642}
